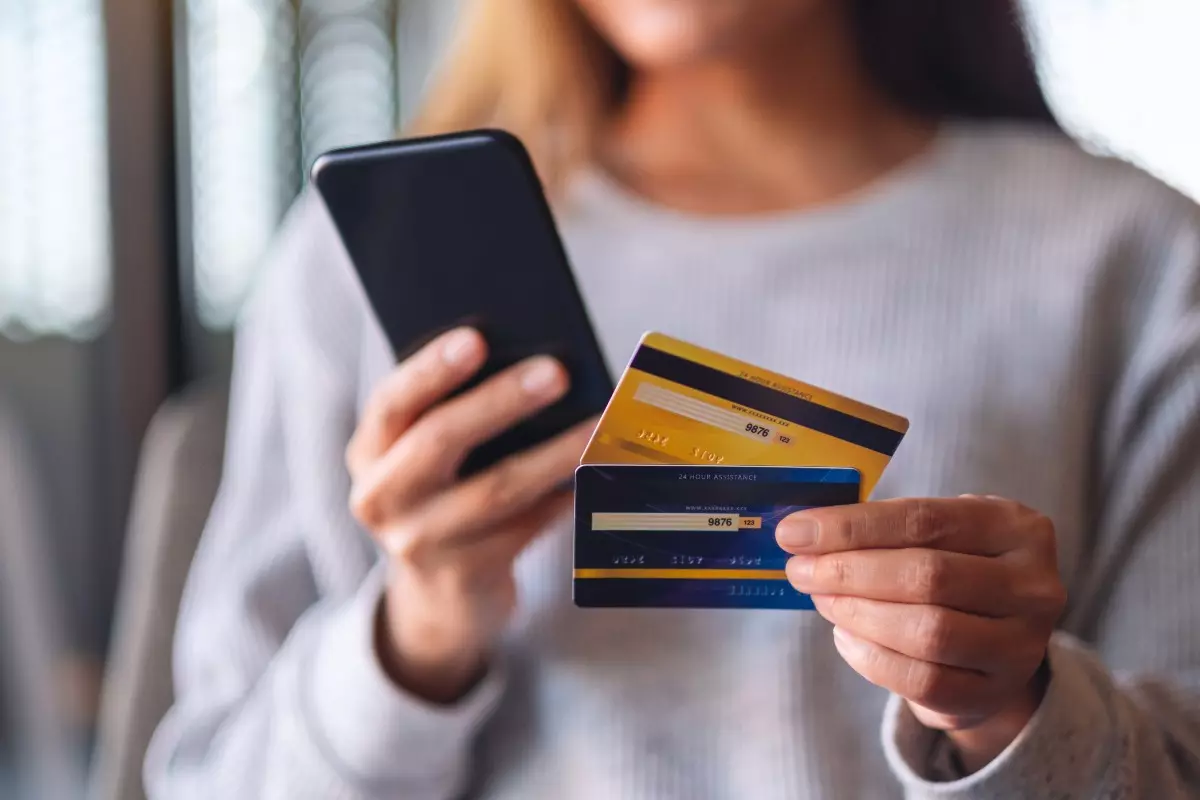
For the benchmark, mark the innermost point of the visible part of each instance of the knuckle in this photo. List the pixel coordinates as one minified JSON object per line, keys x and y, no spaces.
{"x":409,"y":544}
{"x":418,"y":378}
{"x":921,"y":522}
{"x":431,"y":440}
{"x":927,"y":683}
{"x":1040,"y":597}
{"x":835,"y":571}
{"x":933,"y":632}
{"x":930,"y":574}
{"x":366,"y":508}
{"x":1051,"y":597}
{"x":382,"y":419}
{"x":391,"y":419}
{"x":502,"y":488}
{"x":852,"y":531}
{"x":1042,"y":531}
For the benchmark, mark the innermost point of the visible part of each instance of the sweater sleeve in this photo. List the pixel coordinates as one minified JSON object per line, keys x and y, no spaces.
{"x":278,"y":689}
{"x":1121,"y":717}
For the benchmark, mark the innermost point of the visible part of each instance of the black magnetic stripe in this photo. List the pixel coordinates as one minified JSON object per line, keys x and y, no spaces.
{"x":767,"y":400}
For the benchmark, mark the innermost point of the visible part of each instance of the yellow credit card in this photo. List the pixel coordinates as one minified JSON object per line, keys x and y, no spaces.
{"x":681,"y":404}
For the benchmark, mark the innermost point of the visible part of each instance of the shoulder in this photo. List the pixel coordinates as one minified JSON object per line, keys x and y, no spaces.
{"x":1081,"y":221}
{"x":305,"y":323}
{"x":1041,"y":174}
{"x":307,"y":283}
{"x":306,"y":260}
{"x":1079,"y":232}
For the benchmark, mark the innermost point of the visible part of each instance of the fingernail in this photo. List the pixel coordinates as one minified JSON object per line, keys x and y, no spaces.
{"x":796,"y":533}
{"x":543,"y":377}
{"x":459,"y":347}
{"x":800,"y":569}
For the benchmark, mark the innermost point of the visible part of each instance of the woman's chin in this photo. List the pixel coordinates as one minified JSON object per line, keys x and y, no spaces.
{"x":660,"y":35}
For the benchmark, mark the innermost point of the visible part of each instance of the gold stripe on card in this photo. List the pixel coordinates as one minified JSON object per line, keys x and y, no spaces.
{"x":685,"y":574}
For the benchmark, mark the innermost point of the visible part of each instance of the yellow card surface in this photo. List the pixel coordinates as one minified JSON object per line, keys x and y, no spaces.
{"x":681,"y":404}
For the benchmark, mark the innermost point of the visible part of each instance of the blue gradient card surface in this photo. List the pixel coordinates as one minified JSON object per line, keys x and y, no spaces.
{"x":668,"y":536}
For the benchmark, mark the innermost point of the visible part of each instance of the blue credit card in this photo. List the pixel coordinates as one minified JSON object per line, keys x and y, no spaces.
{"x":668,"y":536}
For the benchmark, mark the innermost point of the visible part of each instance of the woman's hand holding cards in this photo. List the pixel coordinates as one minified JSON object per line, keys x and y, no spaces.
{"x":451,"y":543}
{"x":949,"y":603}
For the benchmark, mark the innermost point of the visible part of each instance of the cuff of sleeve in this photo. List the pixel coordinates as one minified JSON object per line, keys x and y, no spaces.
{"x":1065,"y":746}
{"x":373,"y":728}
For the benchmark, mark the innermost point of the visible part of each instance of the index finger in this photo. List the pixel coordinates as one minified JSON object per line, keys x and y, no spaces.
{"x":972,"y":525}
{"x":463,"y":512}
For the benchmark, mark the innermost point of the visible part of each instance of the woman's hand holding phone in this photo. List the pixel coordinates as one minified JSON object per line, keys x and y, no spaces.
{"x":451,"y":543}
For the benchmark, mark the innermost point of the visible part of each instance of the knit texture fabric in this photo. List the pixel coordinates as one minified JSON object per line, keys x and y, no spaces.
{"x":1033,"y":310}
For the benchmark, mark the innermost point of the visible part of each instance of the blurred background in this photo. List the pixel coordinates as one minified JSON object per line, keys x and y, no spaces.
{"x":148,"y":149}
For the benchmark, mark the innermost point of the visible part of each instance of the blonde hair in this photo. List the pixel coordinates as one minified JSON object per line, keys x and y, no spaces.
{"x":539,"y":69}
{"x":536,"y":68}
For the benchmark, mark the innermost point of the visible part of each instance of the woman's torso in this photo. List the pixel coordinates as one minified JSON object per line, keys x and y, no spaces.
{"x":977,"y":311}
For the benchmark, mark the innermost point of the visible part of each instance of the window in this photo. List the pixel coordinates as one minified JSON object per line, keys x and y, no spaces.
{"x":270,"y":84}
{"x":54,"y":226}
{"x":240,"y":122}
{"x":1123,"y":75}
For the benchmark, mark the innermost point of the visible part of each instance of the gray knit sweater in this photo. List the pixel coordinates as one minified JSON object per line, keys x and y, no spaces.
{"x":1033,"y":310}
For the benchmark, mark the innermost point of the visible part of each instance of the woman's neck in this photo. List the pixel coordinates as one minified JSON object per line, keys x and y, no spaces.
{"x":792,"y":124}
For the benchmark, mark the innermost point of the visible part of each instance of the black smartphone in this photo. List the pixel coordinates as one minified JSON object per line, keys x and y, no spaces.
{"x":455,"y":230}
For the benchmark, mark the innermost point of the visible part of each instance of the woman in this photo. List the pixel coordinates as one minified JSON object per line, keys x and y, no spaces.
{"x":869,"y":195}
